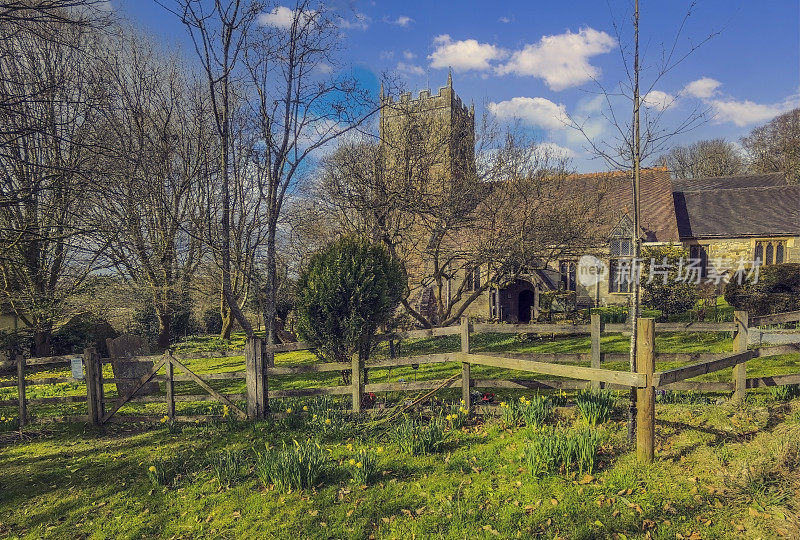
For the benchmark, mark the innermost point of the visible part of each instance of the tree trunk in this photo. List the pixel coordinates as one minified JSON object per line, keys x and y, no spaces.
{"x":164,"y":328}
{"x":227,"y":319}
{"x":41,"y":341}
{"x":270,"y":313}
{"x":635,"y":299}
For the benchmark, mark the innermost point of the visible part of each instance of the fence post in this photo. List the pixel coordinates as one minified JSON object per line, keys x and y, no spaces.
{"x":357,"y":381}
{"x":91,"y":389}
{"x":597,"y":330}
{"x":170,"y":389}
{"x":465,"y":366}
{"x":645,"y":397}
{"x":257,"y":400}
{"x":257,"y":382}
{"x":739,"y":346}
{"x":21,"y":399}
{"x":99,"y":390}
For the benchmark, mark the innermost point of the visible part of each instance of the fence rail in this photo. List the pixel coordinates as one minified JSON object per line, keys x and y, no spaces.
{"x":259,"y":363}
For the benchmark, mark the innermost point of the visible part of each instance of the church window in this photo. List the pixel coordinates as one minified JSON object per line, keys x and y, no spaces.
{"x":567,"y":270}
{"x":770,"y":251}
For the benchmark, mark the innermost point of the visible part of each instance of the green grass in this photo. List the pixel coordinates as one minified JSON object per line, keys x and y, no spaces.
{"x":717,"y":468}
{"x":686,"y":342}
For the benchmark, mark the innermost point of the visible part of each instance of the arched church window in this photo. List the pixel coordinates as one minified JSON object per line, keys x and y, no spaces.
{"x":759,"y":255}
{"x":770,"y":251}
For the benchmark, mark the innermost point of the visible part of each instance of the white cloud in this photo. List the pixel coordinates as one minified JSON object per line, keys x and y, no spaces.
{"x":410,"y":69}
{"x":702,"y":88}
{"x":656,"y":99}
{"x":551,"y":150}
{"x":279,"y":17}
{"x":282,"y":17}
{"x":744,"y":113}
{"x":361,"y":22}
{"x":386,"y":55}
{"x":505,"y":20}
{"x":463,"y":55}
{"x":324,"y":67}
{"x":408,"y":55}
{"x":402,"y":20}
{"x":535,"y":111}
{"x":561,"y":60}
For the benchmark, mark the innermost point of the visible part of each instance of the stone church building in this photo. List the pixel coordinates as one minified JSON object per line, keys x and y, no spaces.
{"x":720,"y":221}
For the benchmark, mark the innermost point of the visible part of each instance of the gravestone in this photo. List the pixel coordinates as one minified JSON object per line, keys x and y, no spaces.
{"x":121,"y":350}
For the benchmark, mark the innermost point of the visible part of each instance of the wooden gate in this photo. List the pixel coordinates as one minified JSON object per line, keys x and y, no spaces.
{"x":169,"y":363}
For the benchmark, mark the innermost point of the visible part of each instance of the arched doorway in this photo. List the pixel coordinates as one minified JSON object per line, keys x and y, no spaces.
{"x":524,"y":305}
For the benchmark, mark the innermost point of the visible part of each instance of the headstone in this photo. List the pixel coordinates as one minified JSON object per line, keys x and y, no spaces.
{"x":76,"y":363}
{"x":121,"y":350}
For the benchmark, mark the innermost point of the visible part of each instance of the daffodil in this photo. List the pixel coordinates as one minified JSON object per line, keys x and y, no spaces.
{"x":152,"y":468}
{"x":289,"y":410}
{"x":349,"y":446}
{"x":352,"y":462}
{"x":305,"y":407}
{"x":327,"y":420}
{"x":359,"y":465}
{"x":379,"y":449}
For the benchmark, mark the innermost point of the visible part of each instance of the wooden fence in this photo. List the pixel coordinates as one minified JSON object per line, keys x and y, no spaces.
{"x":260,"y":369}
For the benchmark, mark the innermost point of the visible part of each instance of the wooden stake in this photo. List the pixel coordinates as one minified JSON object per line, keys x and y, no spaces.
{"x":465,"y":366}
{"x":740,"y":345}
{"x":596,"y":332}
{"x":357,"y":381}
{"x":645,"y":397}
{"x":99,"y":389}
{"x":257,"y":400}
{"x":23,"y":404}
{"x":91,"y":387}
{"x":170,"y":390}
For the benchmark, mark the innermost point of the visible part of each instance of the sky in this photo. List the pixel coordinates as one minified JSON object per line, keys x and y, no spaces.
{"x":543,"y":63}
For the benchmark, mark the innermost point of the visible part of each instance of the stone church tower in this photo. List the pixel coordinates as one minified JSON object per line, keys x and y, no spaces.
{"x":428,"y":139}
{"x":428,"y":148}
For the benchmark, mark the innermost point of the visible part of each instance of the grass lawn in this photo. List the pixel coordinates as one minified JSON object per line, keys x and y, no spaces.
{"x":686,"y":342}
{"x":720,"y":472}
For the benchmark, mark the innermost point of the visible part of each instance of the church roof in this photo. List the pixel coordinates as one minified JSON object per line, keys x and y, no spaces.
{"x":730,"y":182}
{"x":657,"y":220}
{"x":750,"y":211}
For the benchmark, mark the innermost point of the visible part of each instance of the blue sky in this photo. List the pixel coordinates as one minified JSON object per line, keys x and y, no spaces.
{"x":535,"y":60}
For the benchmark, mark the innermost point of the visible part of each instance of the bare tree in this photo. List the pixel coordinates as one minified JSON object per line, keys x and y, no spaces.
{"x":42,"y":21}
{"x":297,"y":110}
{"x":46,"y":155}
{"x":159,"y":139}
{"x":638,"y":136}
{"x":218,"y":31}
{"x":247,"y":218}
{"x":775,"y":146}
{"x":712,"y":157}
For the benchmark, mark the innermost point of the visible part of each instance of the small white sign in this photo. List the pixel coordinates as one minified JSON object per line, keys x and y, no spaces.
{"x":77,"y":367}
{"x":591,"y":271}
